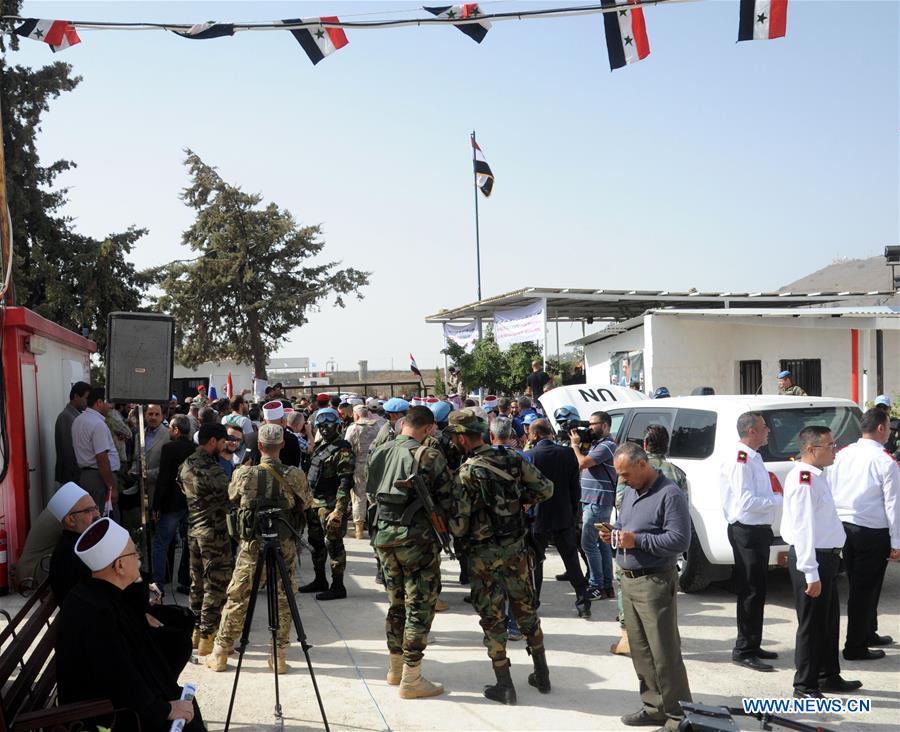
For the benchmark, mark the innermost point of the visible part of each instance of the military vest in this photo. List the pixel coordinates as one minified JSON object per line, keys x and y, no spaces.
{"x":273,"y":495}
{"x":499,"y":489}
{"x":323,"y":479}
{"x":399,"y":505}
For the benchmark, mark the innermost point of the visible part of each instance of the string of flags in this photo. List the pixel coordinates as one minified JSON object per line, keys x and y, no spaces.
{"x":624,"y":25}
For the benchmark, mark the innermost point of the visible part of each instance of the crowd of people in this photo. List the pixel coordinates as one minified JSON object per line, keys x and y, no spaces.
{"x":496,"y":481}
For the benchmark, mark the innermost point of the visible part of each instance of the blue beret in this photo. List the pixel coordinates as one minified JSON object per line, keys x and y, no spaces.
{"x":529,"y":418}
{"x":784,"y":375}
{"x":441,"y":411}
{"x":396,"y":404}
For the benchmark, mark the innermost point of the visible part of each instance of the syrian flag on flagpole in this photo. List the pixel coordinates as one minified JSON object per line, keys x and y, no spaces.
{"x":762,"y":20}
{"x":626,"y":34}
{"x":475,"y":31}
{"x":58,"y":34}
{"x":319,"y":42}
{"x":207,"y":30}
{"x":413,"y":367}
{"x":484,"y":178}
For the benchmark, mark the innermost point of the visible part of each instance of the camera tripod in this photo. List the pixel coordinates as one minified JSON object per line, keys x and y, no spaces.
{"x":272,"y":558}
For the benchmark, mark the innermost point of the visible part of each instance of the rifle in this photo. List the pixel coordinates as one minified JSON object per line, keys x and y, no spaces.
{"x":436,"y":516}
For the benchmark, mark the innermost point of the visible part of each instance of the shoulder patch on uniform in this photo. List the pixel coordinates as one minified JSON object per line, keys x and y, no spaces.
{"x":806,"y":477}
{"x":742,"y":456}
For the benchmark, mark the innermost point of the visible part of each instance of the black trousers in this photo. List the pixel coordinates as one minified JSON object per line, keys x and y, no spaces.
{"x":750,"y":546}
{"x":818,"y":623}
{"x":866,"y":554}
{"x":566,"y":542}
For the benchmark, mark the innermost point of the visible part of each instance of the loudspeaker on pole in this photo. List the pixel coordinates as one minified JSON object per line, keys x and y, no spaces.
{"x":140,"y":352}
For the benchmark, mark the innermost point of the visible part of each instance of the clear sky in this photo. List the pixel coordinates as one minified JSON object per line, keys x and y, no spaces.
{"x":711,"y":164}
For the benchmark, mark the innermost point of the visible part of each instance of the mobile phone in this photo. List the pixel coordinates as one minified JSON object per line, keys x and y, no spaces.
{"x":603,"y":525}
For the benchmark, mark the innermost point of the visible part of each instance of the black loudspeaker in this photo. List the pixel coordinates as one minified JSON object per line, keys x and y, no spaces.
{"x":139,"y":356}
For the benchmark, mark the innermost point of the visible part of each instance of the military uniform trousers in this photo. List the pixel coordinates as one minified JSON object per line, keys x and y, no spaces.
{"x":651,"y":619}
{"x":326,"y":542}
{"x":210,"y":553}
{"x":358,"y":497}
{"x":866,"y":553}
{"x":750,"y":547}
{"x":235,"y":611}
{"x":412,"y":577}
{"x":492,"y":568}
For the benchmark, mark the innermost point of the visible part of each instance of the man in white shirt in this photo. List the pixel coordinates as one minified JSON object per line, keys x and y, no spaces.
{"x":810,"y":524}
{"x":750,"y":508}
{"x":865,"y":483}
{"x":97,"y":456}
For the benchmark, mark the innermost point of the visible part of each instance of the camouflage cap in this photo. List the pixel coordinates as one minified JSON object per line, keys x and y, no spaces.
{"x":271,"y":434}
{"x":465,"y":421}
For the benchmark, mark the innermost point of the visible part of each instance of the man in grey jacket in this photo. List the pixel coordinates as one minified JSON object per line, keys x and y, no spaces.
{"x":653,"y":529}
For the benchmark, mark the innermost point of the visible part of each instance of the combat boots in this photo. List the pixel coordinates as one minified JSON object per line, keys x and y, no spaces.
{"x":337,"y":591}
{"x":319,"y":584}
{"x":281,"y":663}
{"x":540,"y":679}
{"x":395,"y":670}
{"x":503,"y":691}
{"x":205,"y":646}
{"x":359,"y":528}
{"x":415,"y":686}
{"x":195,"y":638}
{"x":218,"y":659}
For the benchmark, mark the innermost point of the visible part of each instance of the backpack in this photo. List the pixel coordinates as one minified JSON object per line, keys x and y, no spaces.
{"x":248,"y":516}
{"x":500,"y":492}
{"x":399,"y":505}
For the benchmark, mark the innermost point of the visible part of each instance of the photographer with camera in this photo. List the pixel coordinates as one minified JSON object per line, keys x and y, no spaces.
{"x":267,"y":487}
{"x":594,"y":449}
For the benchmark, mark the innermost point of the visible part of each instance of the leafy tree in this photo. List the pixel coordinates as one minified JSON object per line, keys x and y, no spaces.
{"x":250,"y":283}
{"x":440,"y":389}
{"x":71,"y":279}
{"x":500,"y":372}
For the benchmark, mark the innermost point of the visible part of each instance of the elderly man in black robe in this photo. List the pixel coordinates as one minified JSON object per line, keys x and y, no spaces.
{"x":104,"y":649}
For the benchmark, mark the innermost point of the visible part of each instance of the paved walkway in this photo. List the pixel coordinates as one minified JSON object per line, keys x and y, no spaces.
{"x":591,"y":687}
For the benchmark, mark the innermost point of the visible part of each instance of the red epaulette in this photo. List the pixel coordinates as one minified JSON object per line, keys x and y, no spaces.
{"x":742,"y":456}
{"x":806,"y":477}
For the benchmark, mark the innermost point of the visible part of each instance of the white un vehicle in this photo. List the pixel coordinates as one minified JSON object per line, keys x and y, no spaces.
{"x":703,"y":436}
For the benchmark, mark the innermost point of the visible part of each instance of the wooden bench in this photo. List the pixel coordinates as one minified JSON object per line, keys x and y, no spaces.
{"x":28,"y":671}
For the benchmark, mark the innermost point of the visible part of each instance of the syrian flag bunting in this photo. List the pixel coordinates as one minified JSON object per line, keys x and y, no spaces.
{"x":58,"y":34}
{"x":413,"y":367}
{"x":626,"y":35}
{"x":484,"y":178}
{"x":209,"y":29}
{"x":319,"y":42}
{"x":762,"y":20}
{"x":475,"y":31}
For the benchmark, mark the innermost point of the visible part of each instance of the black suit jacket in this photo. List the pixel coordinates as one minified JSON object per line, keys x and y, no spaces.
{"x":560,"y":465}
{"x":168,"y":496}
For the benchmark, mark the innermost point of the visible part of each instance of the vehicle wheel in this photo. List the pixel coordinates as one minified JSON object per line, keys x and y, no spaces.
{"x":694,"y":570}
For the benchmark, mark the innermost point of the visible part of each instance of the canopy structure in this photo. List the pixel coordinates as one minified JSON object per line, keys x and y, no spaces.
{"x":589,"y":306}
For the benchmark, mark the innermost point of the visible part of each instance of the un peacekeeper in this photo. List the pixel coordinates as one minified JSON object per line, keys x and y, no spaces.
{"x":395,"y":409}
{"x":205,"y":487}
{"x":407,"y":547}
{"x":271,"y":484}
{"x":656,"y":445}
{"x":492,"y":489}
{"x":786,"y":385}
{"x":331,"y":481}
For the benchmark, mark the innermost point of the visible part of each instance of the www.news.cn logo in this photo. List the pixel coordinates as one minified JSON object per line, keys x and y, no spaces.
{"x":825,"y":705}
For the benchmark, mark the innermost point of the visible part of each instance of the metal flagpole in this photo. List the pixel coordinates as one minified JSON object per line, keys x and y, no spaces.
{"x":477,"y":231}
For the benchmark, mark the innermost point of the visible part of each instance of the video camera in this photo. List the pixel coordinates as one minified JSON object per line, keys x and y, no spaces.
{"x":266,"y":520}
{"x":580,"y":426}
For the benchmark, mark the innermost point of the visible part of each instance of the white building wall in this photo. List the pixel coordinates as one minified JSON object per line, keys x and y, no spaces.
{"x":684,"y":352}
{"x":241,"y":374}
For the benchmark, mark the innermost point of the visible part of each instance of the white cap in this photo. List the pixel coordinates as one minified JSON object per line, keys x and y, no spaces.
{"x":353,"y":401}
{"x":373,"y":402}
{"x":883,"y":400}
{"x":101,"y":544}
{"x":64,"y":499}
{"x":273,"y":411}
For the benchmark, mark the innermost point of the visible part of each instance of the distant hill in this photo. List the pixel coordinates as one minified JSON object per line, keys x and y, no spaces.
{"x":854,"y":275}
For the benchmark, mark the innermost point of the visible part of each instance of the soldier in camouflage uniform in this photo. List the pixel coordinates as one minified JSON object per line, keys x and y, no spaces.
{"x":360,"y":435}
{"x":787,"y":387}
{"x":656,"y":445}
{"x":206,"y":490}
{"x":331,"y":481}
{"x":267,"y":485}
{"x":407,"y":547}
{"x":492,"y":489}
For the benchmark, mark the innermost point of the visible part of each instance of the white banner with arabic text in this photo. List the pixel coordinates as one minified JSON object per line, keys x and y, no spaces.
{"x":518,"y":325}
{"x":464,"y":335}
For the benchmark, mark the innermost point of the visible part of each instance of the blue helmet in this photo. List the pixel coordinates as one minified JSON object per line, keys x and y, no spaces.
{"x":566,"y":414}
{"x":661,"y":393}
{"x":529,"y":418}
{"x":441,"y":411}
{"x":396,"y":404}
{"x":327,"y":416}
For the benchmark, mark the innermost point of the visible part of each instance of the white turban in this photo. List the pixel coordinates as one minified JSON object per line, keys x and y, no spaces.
{"x":273,"y":411}
{"x":65,"y":499}
{"x":101,"y":544}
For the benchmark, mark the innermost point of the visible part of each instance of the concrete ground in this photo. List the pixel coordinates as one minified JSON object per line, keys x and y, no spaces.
{"x":591,"y":687}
